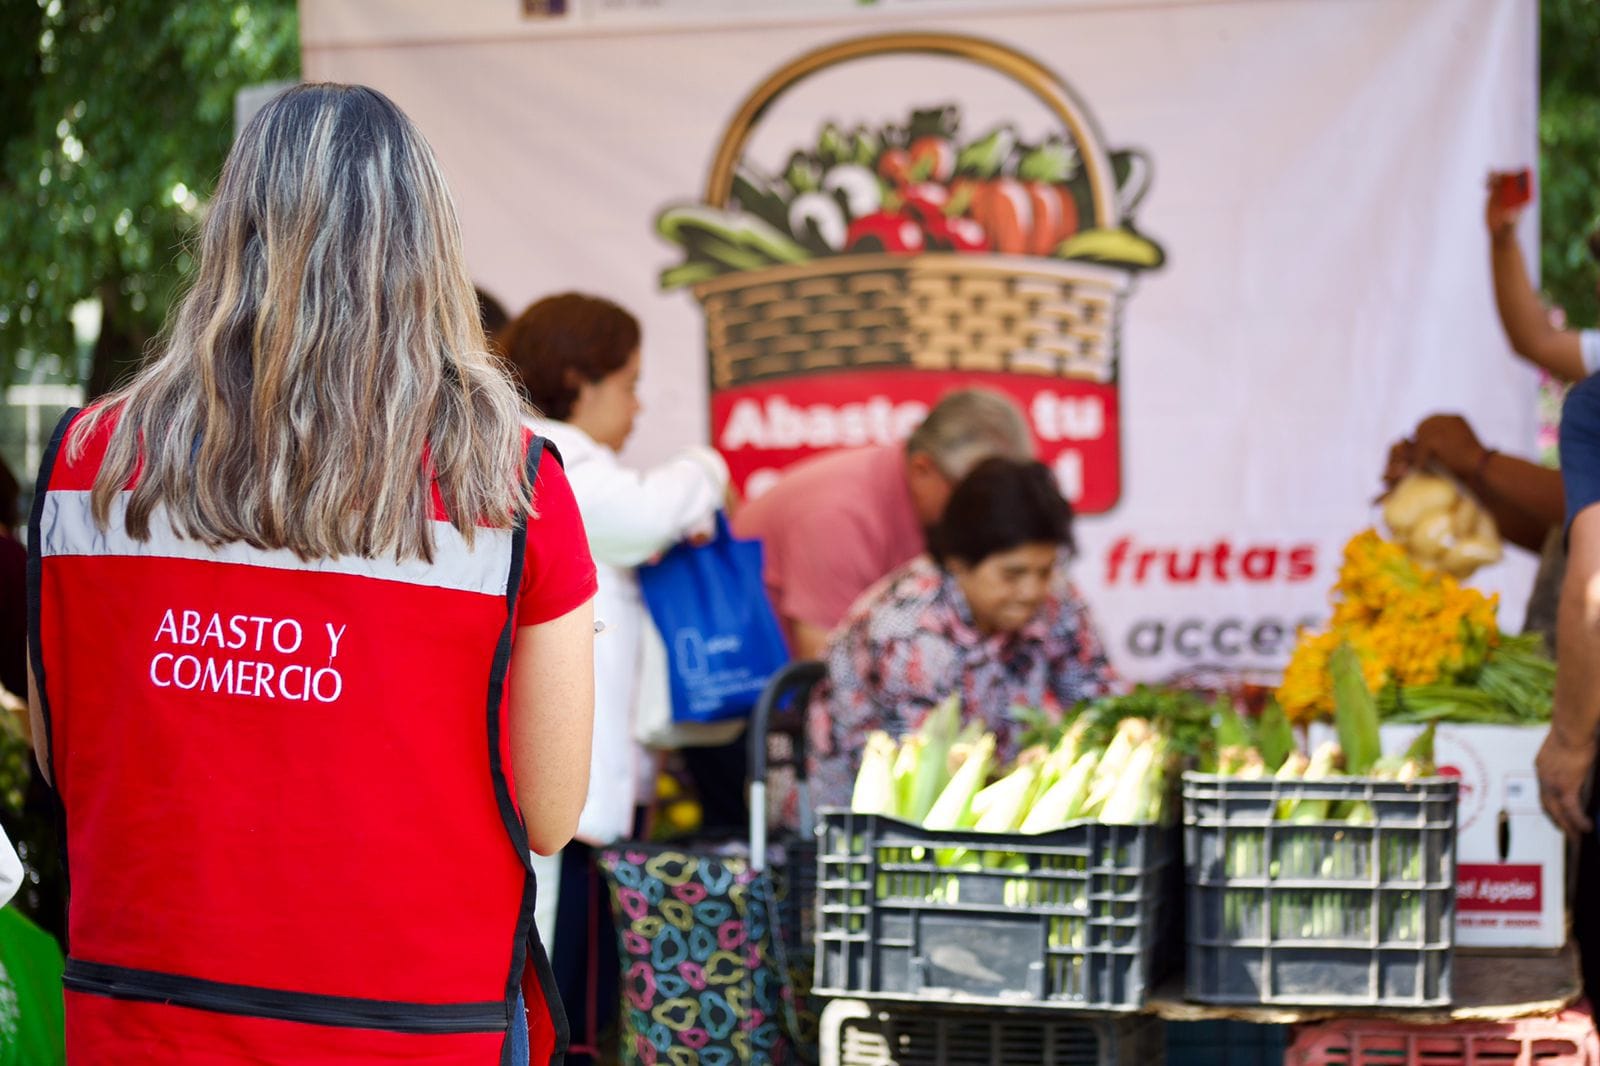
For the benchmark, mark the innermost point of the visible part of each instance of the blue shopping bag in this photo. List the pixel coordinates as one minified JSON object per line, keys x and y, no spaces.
{"x":723,"y":641}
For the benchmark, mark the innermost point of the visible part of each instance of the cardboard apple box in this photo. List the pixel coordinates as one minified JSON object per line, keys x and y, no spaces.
{"x":1510,"y":858}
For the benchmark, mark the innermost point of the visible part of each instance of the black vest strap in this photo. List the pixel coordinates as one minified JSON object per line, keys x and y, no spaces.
{"x":526,"y":951}
{"x":347,"y":1012}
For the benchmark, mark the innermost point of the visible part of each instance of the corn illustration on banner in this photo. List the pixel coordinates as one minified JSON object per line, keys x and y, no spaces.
{"x":1221,"y":254}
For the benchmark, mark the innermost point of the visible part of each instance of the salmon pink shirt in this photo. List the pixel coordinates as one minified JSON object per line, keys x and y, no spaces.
{"x":833,"y":526}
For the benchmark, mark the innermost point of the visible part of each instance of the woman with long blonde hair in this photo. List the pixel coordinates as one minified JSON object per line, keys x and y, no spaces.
{"x":311,"y":638}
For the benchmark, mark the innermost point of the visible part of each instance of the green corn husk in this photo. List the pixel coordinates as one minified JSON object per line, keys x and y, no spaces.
{"x":1421,"y":750}
{"x":1385,"y":768}
{"x":1323,"y":765}
{"x":937,"y":735}
{"x":1131,"y":733}
{"x":1067,"y":749}
{"x":906,"y":761}
{"x":1274,"y":735}
{"x":1402,"y":858}
{"x":1129,"y":802}
{"x":958,"y":755}
{"x":1293,"y":768}
{"x":1355,"y":712}
{"x":1252,"y":768}
{"x":984,"y":800}
{"x":1231,"y":737}
{"x":953,"y":808}
{"x":970,"y":733}
{"x":1037,"y":756}
{"x":1300,"y":854}
{"x":1068,"y":933}
{"x":1155,"y":782}
{"x":1009,"y":862}
{"x":1004,"y":804}
{"x":1012,"y":796}
{"x":874,"y":790}
{"x":1359,"y":813}
{"x":1233,"y":758}
{"x":1246,"y":848}
{"x":954,"y":805}
{"x":1061,"y":802}
{"x":1231,"y":730}
{"x":1035,"y":761}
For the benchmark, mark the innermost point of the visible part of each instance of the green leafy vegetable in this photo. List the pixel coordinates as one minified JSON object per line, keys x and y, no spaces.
{"x":1274,"y":735}
{"x":1355,"y":712}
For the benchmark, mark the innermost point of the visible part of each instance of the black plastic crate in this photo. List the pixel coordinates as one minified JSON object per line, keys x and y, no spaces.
{"x":1071,"y":918}
{"x":858,"y":1034}
{"x":1320,"y":913}
{"x":797,"y":912}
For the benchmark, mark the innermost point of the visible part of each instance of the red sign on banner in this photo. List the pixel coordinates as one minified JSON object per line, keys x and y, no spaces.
{"x":1500,"y":888}
{"x":763,"y":427}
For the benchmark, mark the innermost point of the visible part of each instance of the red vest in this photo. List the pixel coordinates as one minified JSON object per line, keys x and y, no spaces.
{"x":291,"y":835}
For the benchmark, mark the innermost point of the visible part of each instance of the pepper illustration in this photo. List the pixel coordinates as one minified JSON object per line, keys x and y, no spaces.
{"x":885,"y":232}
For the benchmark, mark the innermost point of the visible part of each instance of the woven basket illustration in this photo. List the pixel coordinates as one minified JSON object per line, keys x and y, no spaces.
{"x":928,"y":311}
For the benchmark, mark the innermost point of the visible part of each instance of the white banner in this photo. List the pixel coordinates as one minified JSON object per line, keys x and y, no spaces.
{"x":1223,"y":253}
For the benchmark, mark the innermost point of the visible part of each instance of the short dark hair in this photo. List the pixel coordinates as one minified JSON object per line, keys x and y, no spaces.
{"x":1001,"y":504}
{"x":566,"y":336}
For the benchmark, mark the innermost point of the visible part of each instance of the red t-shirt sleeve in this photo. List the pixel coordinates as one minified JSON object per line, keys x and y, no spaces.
{"x":558,"y":572}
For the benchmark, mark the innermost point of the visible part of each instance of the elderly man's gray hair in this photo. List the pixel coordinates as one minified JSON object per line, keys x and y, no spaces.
{"x":969,"y":426}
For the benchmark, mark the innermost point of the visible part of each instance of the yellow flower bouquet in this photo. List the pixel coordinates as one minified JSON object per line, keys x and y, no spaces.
{"x":1429,"y":647}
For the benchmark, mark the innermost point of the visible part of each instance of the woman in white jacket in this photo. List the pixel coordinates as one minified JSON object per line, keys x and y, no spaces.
{"x":578,"y":358}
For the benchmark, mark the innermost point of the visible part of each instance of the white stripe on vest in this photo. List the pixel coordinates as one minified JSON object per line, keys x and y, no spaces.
{"x":67,"y":527}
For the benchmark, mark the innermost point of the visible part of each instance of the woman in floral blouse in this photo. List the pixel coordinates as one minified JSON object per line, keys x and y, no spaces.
{"x":988,"y":613}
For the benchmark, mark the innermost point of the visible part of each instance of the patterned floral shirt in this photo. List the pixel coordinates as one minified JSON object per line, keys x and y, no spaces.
{"x":910,"y":641}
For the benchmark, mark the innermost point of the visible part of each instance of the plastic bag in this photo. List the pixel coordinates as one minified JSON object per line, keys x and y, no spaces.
{"x":653,"y":725}
{"x":722,"y":638}
{"x":1440,"y":524}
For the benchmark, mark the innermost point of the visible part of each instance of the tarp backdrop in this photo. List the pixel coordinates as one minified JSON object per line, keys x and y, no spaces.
{"x":1276,"y":267}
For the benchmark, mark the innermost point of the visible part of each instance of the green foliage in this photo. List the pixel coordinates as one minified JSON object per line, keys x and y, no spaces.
{"x":1186,"y":717}
{"x":1569,"y":153}
{"x":113,"y":127}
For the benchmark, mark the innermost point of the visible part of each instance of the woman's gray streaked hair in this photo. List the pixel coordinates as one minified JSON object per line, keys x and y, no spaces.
{"x":327,"y":367}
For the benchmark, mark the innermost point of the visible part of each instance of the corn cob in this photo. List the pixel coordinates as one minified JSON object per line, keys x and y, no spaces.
{"x":954,"y":804}
{"x":1061,"y":802}
{"x":1131,"y":732}
{"x":935,"y":736}
{"x":874,"y":791}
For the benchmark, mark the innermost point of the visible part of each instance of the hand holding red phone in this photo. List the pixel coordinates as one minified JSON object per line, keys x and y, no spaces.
{"x":1509,"y":192}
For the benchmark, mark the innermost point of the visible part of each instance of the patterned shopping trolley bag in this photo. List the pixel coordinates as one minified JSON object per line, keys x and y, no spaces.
{"x":703,"y":979}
